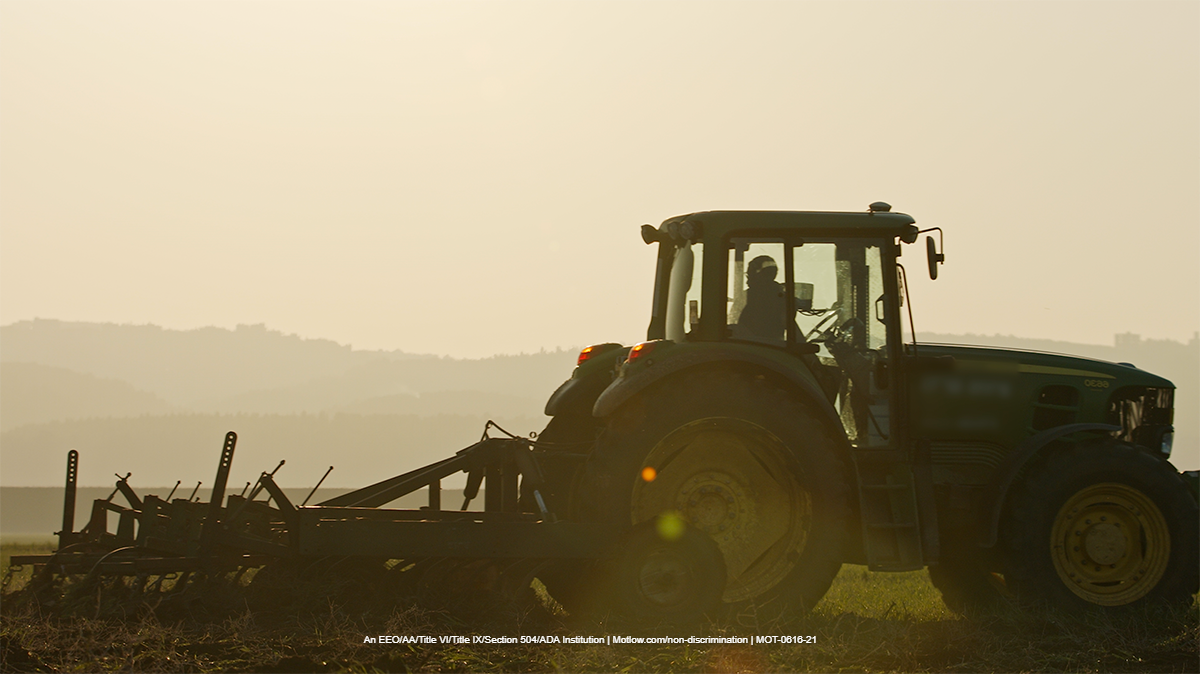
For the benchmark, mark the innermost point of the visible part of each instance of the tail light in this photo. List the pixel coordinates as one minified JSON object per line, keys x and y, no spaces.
{"x":640,"y":350}
{"x":594,"y":350}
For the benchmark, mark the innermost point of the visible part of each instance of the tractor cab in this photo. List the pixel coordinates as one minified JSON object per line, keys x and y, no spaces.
{"x":817,"y":293}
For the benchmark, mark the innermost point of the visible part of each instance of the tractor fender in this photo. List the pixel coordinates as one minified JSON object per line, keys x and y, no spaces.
{"x":996,"y":493}
{"x":589,"y":379}
{"x":566,"y":393}
{"x":624,"y":388}
{"x":575,"y":394}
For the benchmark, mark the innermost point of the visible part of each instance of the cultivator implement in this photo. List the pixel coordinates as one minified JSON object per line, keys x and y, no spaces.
{"x":504,"y":545}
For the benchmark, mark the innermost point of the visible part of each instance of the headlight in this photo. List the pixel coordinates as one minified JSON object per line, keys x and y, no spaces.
{"x":1168,"y":439}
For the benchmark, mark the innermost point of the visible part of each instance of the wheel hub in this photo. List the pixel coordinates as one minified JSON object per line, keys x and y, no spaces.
{"x":1110,"y":544}
{"x":1104,"y":543}
{"x":716,"y":504}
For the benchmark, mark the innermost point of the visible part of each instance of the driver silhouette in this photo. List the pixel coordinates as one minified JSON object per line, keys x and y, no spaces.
{"x":763,"y":319}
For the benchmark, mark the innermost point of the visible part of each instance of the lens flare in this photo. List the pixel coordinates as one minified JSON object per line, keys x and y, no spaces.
{"x":648,"y":473}
{"x":670,"y":526}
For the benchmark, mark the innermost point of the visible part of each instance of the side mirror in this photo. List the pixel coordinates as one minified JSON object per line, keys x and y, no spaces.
{"x":935,"y":258}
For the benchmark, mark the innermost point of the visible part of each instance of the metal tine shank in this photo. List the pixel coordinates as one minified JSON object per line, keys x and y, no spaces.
{"x":209,"y":529}
{"x":68,"y":523}
{"x":315,"y":488}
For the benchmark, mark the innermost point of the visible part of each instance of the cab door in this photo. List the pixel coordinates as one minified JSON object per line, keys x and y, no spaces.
{"x":830,"y":306}
{"x":826,"y":303}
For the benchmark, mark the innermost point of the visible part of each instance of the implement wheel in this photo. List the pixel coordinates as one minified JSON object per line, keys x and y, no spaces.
{"x":742,"y":461}
{"x":667,"y":572}
{"x":1103,"y":525}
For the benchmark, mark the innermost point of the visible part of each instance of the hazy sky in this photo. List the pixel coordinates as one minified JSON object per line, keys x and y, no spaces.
{"x":468,"y":178}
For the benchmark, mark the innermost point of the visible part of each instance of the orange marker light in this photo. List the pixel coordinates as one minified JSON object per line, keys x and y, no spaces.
{"x":595,"y":350}
{"x":648,"y":473}
{"x":639,"y":350}
{"x":585,"y":355}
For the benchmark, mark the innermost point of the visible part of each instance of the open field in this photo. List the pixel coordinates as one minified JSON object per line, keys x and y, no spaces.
{"x":867,"y":622}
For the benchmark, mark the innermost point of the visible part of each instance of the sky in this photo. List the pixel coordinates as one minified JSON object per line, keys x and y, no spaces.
{"x":468,"y":178}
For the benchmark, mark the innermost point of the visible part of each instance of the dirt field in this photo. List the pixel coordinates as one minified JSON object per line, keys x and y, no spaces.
{"x":867,"y":623}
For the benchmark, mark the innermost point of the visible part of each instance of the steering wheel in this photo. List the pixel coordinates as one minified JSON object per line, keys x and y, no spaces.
{"x":845,"y":330}
{"x":841,"y":333}
{"x":817,"y":328}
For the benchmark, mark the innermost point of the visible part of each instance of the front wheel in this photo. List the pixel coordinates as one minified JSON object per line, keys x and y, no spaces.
{"x":745,"y":462}
{"x":1103,"y":525}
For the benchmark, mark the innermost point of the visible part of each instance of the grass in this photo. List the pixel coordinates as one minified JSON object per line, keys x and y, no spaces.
{"x":867,"y":622}
{"x":23,"y":545}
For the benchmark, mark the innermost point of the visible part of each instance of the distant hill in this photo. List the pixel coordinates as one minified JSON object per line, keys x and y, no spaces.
{"x":527,"y":378}
{"x":157,"y":402}
{"x":255,"y":370}
{"x":31,"y":393}
{"x":492,"y":405}
{"x":183,"y":366}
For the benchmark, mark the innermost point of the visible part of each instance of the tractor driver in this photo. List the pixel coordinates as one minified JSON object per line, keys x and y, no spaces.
{"x":765,"y":314}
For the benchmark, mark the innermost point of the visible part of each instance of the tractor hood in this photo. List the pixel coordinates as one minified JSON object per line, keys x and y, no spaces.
{"x":1091,"y":373}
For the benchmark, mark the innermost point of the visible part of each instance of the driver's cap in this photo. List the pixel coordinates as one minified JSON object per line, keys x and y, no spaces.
{"x":761,"y":263}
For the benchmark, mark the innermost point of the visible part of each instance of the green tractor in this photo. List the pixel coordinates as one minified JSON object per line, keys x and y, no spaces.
{"x":775,"y":425}
{"x":779,"y":408}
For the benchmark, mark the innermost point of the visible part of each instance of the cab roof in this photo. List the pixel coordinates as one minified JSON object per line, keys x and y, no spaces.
{"x":717,"y":225}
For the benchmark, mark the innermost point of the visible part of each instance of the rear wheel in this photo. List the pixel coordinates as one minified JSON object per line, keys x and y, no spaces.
{"x":745,"y":463}
{"x":1103,"y":525}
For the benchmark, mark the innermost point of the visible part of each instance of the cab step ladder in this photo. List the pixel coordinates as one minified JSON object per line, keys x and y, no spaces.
{"x":888,"y":500}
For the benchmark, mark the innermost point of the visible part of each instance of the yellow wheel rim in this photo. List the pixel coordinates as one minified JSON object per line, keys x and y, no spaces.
{"x":1110,"y":544}
{"x":732,"y":480}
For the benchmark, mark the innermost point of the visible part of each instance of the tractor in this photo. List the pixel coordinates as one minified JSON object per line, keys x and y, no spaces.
{"x":780,"y":420}
{"x":779,"y":407}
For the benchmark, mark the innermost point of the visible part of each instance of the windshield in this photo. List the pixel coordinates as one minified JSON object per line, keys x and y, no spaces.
{"x":783,"y":293}
{"x":780,"y":293}
{"x":823,"y":301}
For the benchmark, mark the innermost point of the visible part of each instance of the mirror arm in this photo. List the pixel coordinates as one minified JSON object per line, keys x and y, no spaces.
{"x":904,"y":288}
{"x":941,"y":242}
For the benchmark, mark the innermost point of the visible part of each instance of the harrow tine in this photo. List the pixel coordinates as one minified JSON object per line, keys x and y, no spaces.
{"x":314,"y":489}
{"x":131,"y":497}
{"x":181,"y":582}
{"x":262,"y":485}
{"x":68,"y":523}
{"x":156,"y":584}
{"x":209,"y":530}
{"x":115,"y":489}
